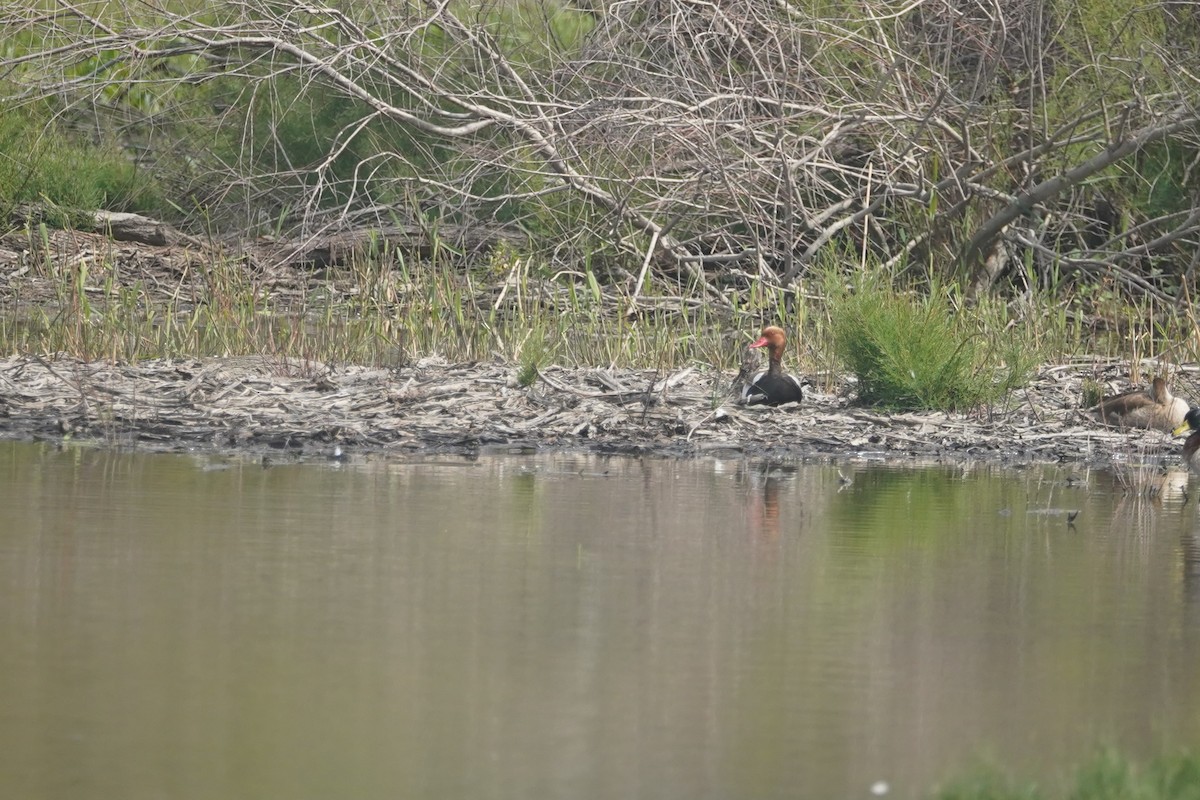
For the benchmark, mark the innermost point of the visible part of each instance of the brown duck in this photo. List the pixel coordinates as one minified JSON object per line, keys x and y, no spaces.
{"x":772,"y":387}
{"x":1154,"y":407}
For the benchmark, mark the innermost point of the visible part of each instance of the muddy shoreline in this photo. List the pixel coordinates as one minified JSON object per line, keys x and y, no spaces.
{"x":287,"y":410}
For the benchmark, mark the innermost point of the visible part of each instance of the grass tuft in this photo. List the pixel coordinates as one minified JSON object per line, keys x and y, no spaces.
{"x":925,"y":352}
{"x":1091,"y":393}
{"x":988,"y":783}
{"x":527,"y":374}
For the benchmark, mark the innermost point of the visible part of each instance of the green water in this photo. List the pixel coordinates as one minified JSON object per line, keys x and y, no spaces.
{"x":570,"y":627}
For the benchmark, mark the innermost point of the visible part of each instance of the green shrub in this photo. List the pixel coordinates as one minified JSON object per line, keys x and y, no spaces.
{"x":68,"y":177}
{"x":911,"y":352}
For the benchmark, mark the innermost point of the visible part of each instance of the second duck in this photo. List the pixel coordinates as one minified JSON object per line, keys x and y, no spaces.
{"x":1155,"y":408}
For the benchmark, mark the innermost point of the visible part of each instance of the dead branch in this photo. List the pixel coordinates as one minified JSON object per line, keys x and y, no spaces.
{"x":690,"y":141}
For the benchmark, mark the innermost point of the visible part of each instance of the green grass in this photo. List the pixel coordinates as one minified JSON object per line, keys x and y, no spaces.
{"x":1106,"y":776}
{"x":64,"y":175}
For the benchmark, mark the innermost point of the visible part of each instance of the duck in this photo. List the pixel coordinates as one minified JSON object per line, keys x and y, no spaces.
{"x":1191,"y":447}
{"x":772,"y":386}
{"x":1154,"y":408}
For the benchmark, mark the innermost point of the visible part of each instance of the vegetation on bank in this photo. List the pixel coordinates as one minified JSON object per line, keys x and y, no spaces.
{"x":984,"y":185}
{"x":1106,"y":776}
{"x":98,"y":301}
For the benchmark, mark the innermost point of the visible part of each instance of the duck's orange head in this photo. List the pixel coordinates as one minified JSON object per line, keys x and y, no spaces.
{"x":772,"y":338}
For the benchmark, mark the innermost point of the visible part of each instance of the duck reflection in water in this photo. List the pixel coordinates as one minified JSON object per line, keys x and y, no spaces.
{"x":765,"y":511}
{"x":765,"y":483}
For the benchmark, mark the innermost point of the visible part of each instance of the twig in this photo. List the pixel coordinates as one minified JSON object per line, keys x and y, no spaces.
{"x":641,"y":278}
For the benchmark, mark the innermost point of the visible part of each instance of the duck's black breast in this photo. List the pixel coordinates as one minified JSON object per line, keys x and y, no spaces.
{"x":772,"y":390}
{"x":1191,"y":452}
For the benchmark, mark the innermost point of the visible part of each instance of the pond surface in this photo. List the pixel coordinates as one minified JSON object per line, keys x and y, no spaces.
{"x":578,"y":627}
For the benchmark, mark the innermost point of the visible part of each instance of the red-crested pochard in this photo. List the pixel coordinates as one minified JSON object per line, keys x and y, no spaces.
{"x":772,"y":386}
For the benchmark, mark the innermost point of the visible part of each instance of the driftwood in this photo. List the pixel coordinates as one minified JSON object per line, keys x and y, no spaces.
{"x":116,"y":225}
{"x":139,"y":230}
{"x":270,"y":406}
{"x":313,"y":252}
{"x":342,"y":248}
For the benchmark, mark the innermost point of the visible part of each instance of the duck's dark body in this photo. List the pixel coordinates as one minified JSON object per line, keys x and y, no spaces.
{"x":1191,"y":452}
{"x":772,"y":389}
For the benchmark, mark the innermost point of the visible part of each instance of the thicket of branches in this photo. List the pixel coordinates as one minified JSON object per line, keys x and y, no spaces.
{"x":721,"y":140}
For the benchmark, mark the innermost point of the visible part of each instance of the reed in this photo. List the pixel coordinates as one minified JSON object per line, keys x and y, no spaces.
{"x":386,"y":309}
{"x":382,"y":310}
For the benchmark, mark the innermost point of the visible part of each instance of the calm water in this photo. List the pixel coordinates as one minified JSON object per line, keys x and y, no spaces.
{"x":569,"y":627}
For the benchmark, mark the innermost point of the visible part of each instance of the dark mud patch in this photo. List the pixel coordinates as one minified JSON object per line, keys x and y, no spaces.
{"x":292,"y":410}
